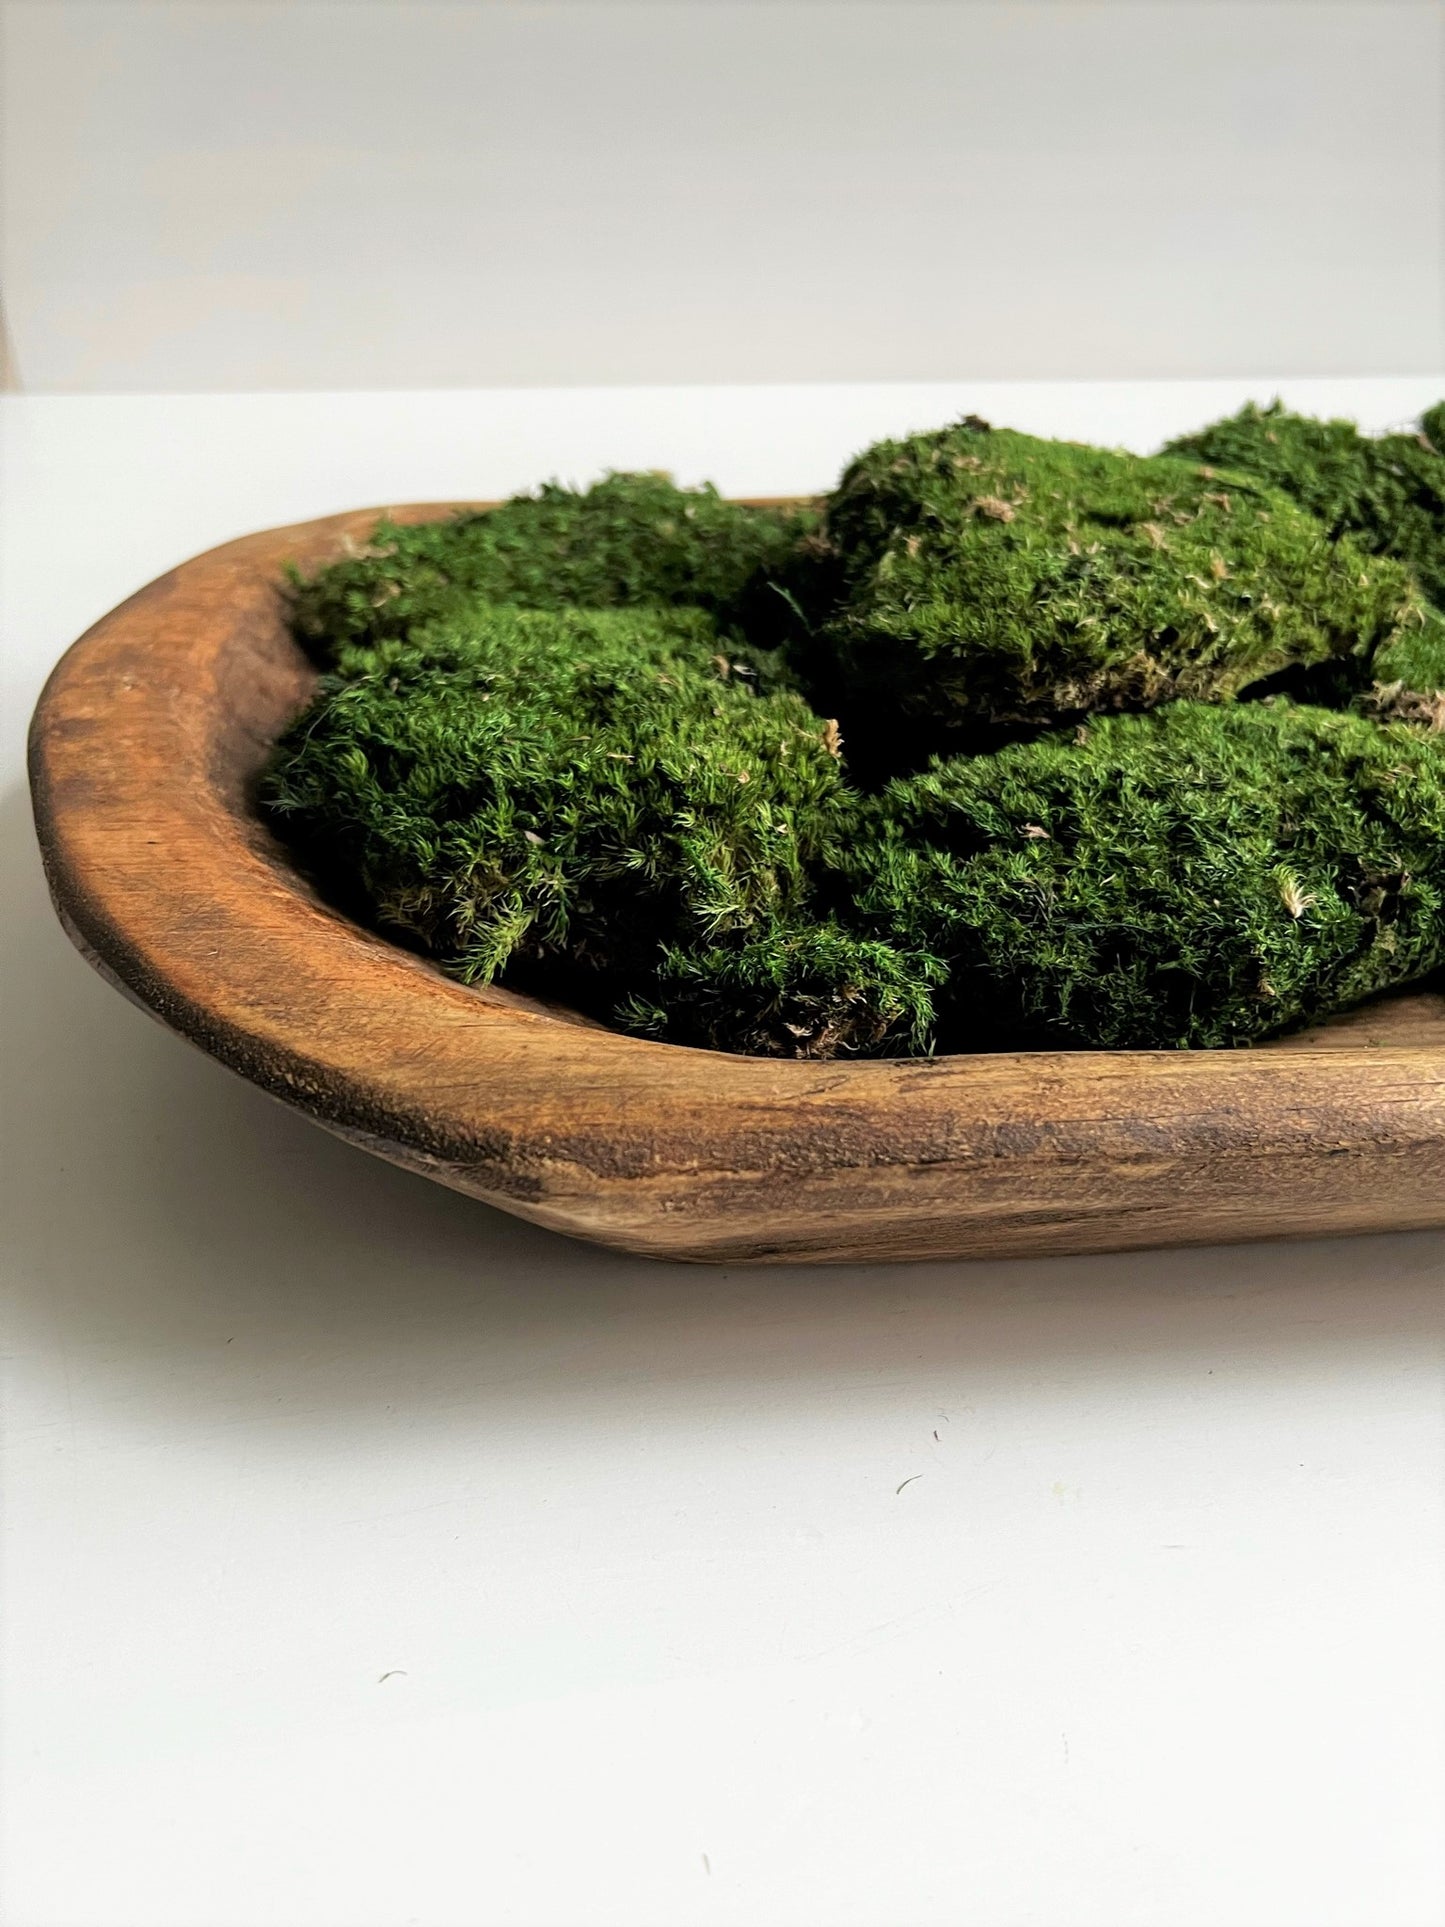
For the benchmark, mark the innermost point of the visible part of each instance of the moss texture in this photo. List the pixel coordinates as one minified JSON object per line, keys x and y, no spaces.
{"x":810,"y":988}
{"x":992,"y":583}
{"x":628,"y":540}
{"x":595,"y":804}
{"x":564,"y":745}
{"x":1387,"y":492}
{"x":1197,"y":876}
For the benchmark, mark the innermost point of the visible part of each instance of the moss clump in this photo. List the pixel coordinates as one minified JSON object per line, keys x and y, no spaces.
{"x":629,"y":540}
{"x":1198,"y":876}
{"x":593,"y":804}
{"x":806,"y":989}
{"x":993,"y":583}
{"x":558,"y":746}
{"x":1386,"y":493}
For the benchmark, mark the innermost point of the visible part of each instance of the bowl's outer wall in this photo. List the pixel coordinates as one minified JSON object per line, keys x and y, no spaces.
{"x":144,"y":749}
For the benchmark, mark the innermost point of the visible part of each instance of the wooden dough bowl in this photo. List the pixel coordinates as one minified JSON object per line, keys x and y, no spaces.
{"x":144,"y":750}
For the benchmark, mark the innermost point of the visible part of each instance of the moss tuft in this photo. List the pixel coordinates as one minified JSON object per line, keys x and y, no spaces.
{"x":626,"y":541}
{"x":593,"y":804}
{"x":993,"y":583}
{"x":1386,"y":492}
{"x":1198,"y":876}
{"x":812,"y":989}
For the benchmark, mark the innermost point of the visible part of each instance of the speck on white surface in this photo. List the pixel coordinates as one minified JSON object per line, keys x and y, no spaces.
{"x":370,"y":1558}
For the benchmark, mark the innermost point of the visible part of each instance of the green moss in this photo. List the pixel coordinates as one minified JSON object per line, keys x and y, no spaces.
{"x":1413,"y":659}
{"x":1197,"y":876}
{"x":556,"y":749}
{"x":1387,"y":492}
{"x":628,"y":540}
{"x":809,"y":989}
{"x":992,"y":583}
{"x":590,"y":804}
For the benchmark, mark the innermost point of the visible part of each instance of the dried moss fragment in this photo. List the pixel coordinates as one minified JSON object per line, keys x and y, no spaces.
{"x":628,"y":540}
{"x":1385,"y":492}
{"x":1199,"y":876}
{"x":993,"y":583}
{"x":591,"y":804}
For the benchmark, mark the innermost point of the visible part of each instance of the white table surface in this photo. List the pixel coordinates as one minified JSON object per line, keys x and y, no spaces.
{"x":371,"y":1558}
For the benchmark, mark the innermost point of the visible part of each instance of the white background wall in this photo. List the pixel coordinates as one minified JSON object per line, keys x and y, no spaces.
{"x":359,"y":193}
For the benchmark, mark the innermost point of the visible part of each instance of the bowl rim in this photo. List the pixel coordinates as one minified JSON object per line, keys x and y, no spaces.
{"x":143,"y":746}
